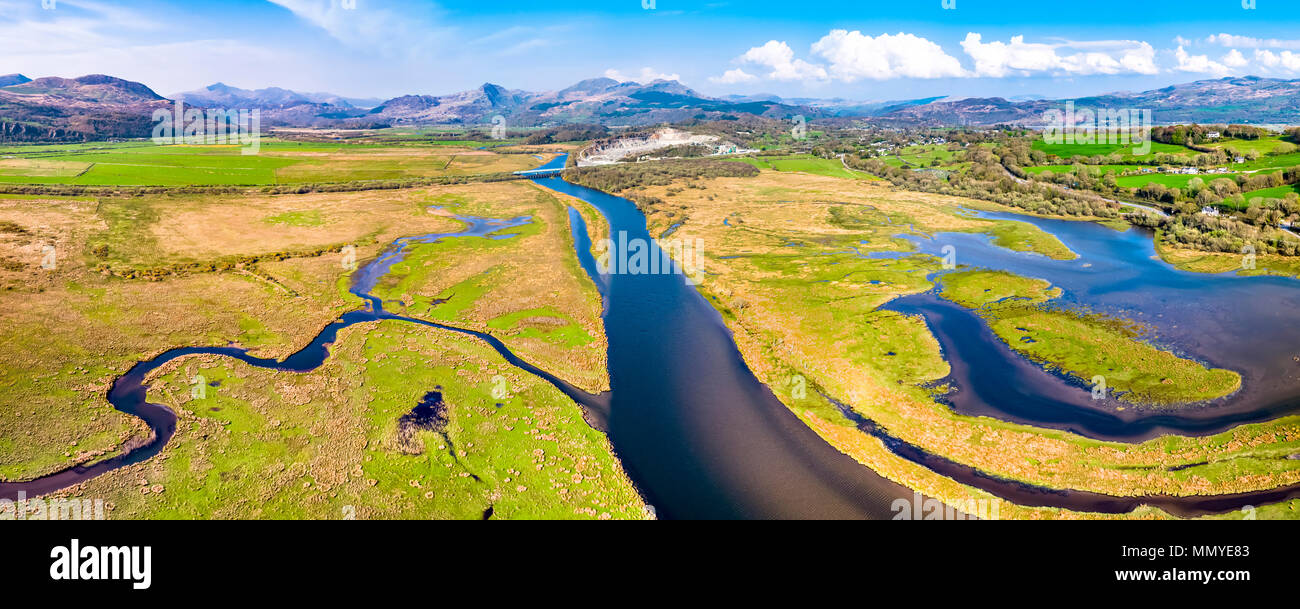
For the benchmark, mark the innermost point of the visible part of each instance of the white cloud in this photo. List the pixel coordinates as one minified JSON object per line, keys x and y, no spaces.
{"x":731,"y":77}
{"x":644,"y":76}
{"x":1199,"y":63}
{"x":1234,"y":59}
{"x":777,"y":57}
{"x":853,"y":55}
{"x":847,"y":56}
{"x":1019,"y":58}
{"x":1282,"y":61}
{"x":1229,"y":40}
{"x":1286,"y":61}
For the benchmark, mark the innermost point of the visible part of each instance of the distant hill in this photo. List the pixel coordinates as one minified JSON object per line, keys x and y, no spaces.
{"x":280,"y":107}
{"x":223,"y":95}
{"x":76,"y":109}
{"x":13,"y":79}
{"x":597,"y":100}
{"x":1248,"y":99}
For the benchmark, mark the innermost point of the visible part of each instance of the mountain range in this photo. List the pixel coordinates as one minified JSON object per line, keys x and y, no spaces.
{"x":1246,"y":99}
{"x":98,"y":106}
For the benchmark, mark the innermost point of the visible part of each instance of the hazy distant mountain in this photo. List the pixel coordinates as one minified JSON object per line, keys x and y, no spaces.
{"x":596,"y":100}
{"x":1226,"y":100}
{"x":364,"y":103}
{"x":13,"y":79}
{"x":1248,"y":99}
{"x":279,"y":107}
{"x":474,"y":105}
{"x":837,"y":106}
{"x":76,"y":109}
{"x":221,"y":95}
{"x":970,"y":111}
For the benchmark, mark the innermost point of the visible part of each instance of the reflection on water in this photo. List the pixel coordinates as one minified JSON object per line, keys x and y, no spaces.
{"x":1243,"y":324}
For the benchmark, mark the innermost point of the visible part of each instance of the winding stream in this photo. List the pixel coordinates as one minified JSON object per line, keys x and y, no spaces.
{"x":129,"y":392}
{"x":697,"y":432}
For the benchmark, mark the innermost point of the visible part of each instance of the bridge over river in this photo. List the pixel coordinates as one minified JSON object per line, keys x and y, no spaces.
{"x":541,"y":173}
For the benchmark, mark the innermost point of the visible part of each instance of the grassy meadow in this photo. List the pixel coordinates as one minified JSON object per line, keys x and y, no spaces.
{"x":277,"y":162}
{"x":334,"y":443}
{"x":806,"y":164}
{"x":136,"y":276}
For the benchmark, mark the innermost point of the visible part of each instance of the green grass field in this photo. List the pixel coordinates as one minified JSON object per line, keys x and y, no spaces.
{"x":1172,"y":181}
{"x":1070,"y":168}
{"x":1273,"y":193}
{"x":276,"y":162}
{"x":807,"y":164}
{"x":1271,"y":161}
{"x":920,"y":156}
{"x":1264,"y":145}
{"x":1067,"y":151}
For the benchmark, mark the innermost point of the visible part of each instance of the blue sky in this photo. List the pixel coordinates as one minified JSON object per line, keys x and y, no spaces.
{"x":863,"y":49}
